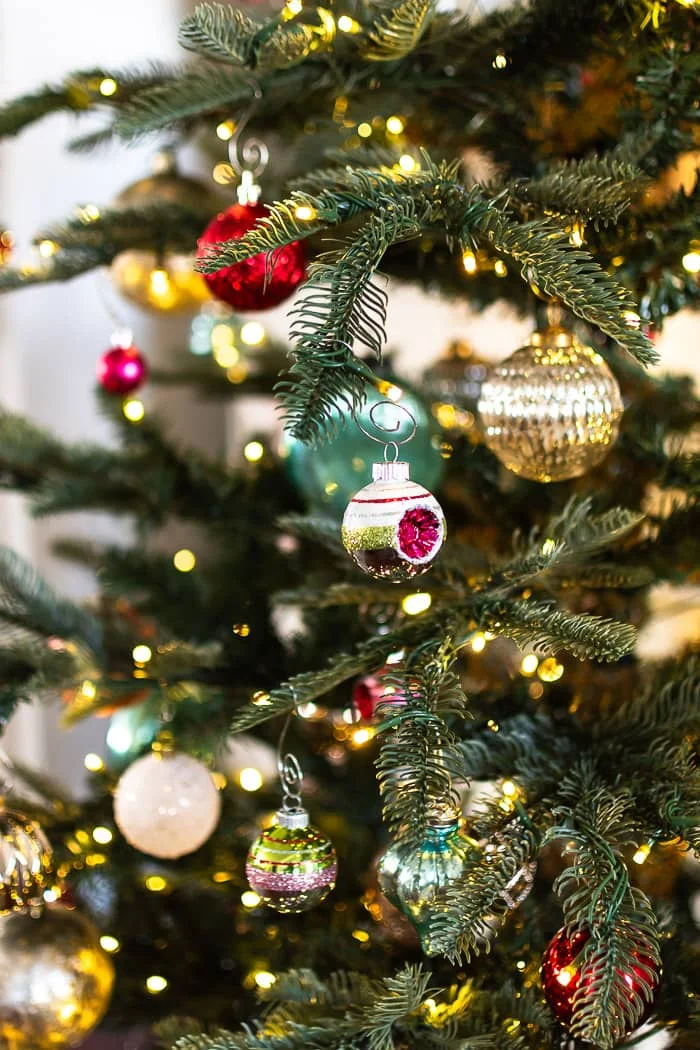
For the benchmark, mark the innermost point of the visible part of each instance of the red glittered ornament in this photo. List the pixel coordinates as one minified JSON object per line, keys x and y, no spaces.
{"x":257,"y":283}
{"x":122,"y":370}
{"x":561,"y":976}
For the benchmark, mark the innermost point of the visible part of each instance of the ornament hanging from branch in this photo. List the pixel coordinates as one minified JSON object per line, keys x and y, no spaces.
{"x":393,"y":529}
{"x":551,"y":411}
{"x":266,"y":279}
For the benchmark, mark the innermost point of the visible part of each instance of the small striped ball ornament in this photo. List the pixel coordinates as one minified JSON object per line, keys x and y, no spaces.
{"x":292,"y":866}
{"x":393,"y":529}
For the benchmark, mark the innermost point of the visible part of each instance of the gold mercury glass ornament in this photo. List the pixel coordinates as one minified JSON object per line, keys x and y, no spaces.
{"x":26,"y":868}
{"x":55,"y":980}
{"x":551,"y":411}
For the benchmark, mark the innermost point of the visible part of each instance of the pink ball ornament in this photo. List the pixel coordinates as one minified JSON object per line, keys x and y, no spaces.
{"x":122,"y":370}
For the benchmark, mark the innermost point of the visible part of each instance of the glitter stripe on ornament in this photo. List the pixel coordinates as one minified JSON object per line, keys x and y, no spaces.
{"x":290,"y":882}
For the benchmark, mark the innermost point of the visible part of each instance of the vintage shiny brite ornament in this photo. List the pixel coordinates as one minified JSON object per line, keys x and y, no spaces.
{"x":561,"y":978}
{"x":260,"y":282}
{"x":551,"y":411}
{"x":291,"y":866}
{"x":121,"y":370}
{"x":393,"y":529}
{"x":166,"y":804}
{"x":26,"y":867}
{"x":55,"y":980}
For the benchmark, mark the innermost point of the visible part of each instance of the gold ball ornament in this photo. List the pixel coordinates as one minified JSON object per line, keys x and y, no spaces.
{"x":26,"y":868}
{"x":551,"y":411}
{"x":55,"y":980}
{"x":165,"y":282}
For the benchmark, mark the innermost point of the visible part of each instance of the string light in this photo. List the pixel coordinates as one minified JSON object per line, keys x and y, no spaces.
{"x":250,"y":779}
{"x":478,"y":642}
{"x":548,"y":547}
{"x":47,"y":249}
{"x":691,"y":261}
{"x":305,"y":212}
{"x":250,"y":899}
{"x":500,"y":60}
{"x":133,"y":410}
{"x":93,"y":763}
{"x":576,"y":237}
{"x":362,"y":736}
{"x":469,"y":262}
{"x":528,"y":664}
{"x":241,"y":629}
{"x":225,"y":130}
{"x":156,"y":984}
{"x":361,"y":935}
{"x":408,"y":163}
{"x":109,"y":943}
{"x":566,"y":976}
{"x":102,"y":835}
{"x":550,"y":670}
{"x":108,"y":87}
{"x":394,"y":125}
{"x":253,"y":333}
{"x":141,"y":654}
{"x":642,"y":853}
{"x":159,"y":281}
{"x":156,"y":883}
{"x":264,"y":979}
{"x":294,"y":7}
{"x":364,"y":130}
{"x":346,"y":24}
{"x":307,"y":710}
{"x":254,"y":451}
{"x":222,"y":173}
{"x":88,"y":690}
{"x":414,"y":604}
{"x":500,"y":268}
{"x":261,"y":699}
{"x":221,"y":876}
{"x":184,"y":560}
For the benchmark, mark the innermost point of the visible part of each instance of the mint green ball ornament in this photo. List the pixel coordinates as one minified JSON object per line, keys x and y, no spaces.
{"x":328,"y":475}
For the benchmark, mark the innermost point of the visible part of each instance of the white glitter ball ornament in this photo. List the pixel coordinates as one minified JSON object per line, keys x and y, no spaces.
{"x":166,"y":804}
{"x":551,"y":411}
{"x":393,"y":528}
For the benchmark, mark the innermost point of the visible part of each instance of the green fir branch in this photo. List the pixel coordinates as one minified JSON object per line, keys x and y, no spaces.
{"x":193,"y":93}
{"x":219,"y":32}
{"x":398,"y":29}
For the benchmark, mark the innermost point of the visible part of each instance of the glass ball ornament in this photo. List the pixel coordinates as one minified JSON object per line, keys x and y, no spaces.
{"x":166,"y":804}
{"x":561,"y":977}
{"x":393,"y":529}
{"x":260,"y":282}
{"x":291,"y":866}
{"x":55,"y":980}
{"x":452,"y":384}
{"x":328,"y":475}
{"x":26,"y":867}
{"x":121,"y":370}
{"x":551,"y":411}
{"x":164,"y":282}
{"x":415,"y":878}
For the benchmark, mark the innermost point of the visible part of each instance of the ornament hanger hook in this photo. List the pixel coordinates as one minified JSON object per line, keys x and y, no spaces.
{"x":386,"y":428}
{"x":290,"y":772}
{"x":248,"y":157}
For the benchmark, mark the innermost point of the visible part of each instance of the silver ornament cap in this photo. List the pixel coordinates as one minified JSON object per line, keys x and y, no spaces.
{"x":396,"y":471}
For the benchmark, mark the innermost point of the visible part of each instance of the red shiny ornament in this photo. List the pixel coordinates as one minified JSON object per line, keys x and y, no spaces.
{"x":371,"y":691}
{"x":561,"y":977}
{"x":257,"y":283}
{"x":121,"y":370}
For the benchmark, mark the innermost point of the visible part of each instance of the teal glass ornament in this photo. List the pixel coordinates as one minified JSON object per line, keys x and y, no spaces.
{"x":328,"y":475}
{"x":131,"y":730}
{"x":415,"y":878}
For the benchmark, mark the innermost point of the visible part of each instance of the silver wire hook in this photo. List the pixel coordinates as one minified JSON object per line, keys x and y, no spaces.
{"x":384,"y":428}
{"x":251,"y":155}
{"x":289,"y":770}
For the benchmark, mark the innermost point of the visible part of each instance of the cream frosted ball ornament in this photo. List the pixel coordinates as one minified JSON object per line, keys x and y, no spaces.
{"x":551,"y":411}
{"x":166,"y":804}
{"x":393,"y":528}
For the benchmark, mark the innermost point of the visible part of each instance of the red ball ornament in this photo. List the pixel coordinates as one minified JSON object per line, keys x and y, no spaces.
{"x":263,"y":280}
{"x":121,"y":370}
{"x":561,"y":976}
{"x":373,"y":690}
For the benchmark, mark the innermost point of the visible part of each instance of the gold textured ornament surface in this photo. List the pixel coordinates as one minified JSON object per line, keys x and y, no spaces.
{"x":551,"y":411}
{"x":55,"y":980}
{"x":26,"y":868}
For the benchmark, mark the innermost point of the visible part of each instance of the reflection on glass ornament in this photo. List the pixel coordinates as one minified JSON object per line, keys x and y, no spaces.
{"x":452,"y":384}
{"x":561,"y":977}
{"x":393,"y":529}
{"x":26,"y":867}
{"x":122,"y":369}
{"x":166,"y":804}
{"x":328,"y":475}
{"x":291,"y":866}
{"x":551,"y":411}
{"x":55,"y":980}
{"x":415,"y":878}
{"x":131,"y":731}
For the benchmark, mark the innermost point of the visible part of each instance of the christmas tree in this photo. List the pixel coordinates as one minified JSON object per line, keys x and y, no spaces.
{"x":451,"y":804}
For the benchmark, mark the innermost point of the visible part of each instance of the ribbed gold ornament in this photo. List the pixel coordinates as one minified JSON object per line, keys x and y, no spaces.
{"x":551,"y":411}
{"x":26,"y":868}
